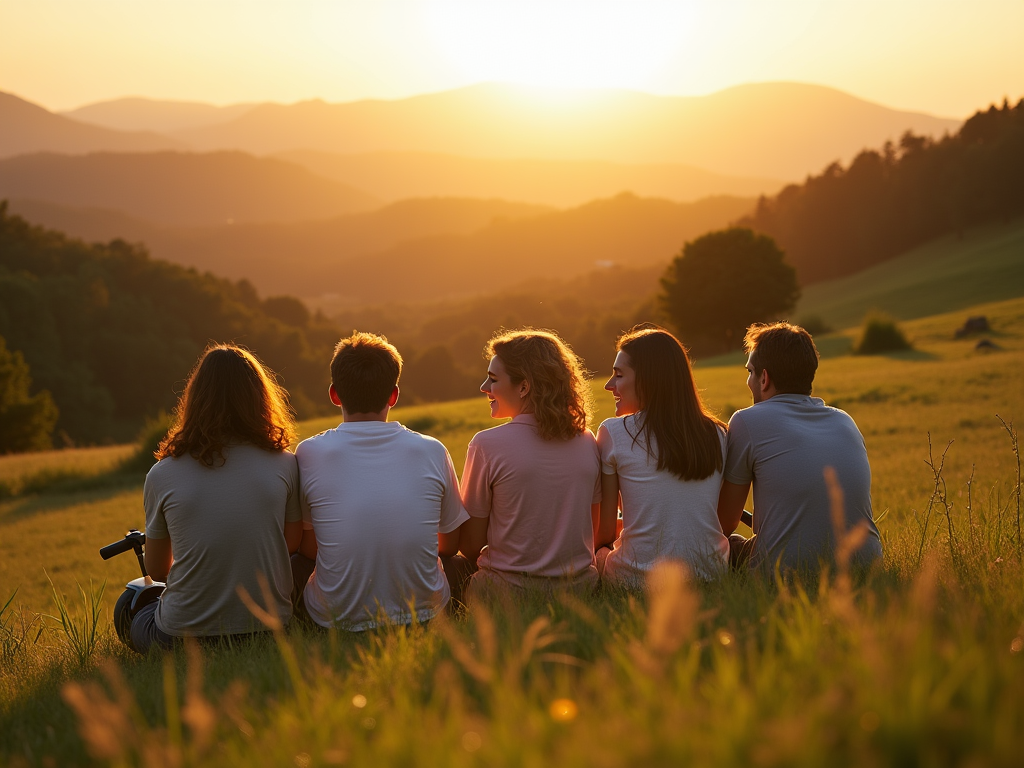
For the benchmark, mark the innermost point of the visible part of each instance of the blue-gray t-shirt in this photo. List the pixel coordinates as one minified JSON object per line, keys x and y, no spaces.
{"x":783,"y":445}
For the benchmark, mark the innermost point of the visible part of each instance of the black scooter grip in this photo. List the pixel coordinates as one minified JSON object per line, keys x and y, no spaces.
{"x":123,"y":545}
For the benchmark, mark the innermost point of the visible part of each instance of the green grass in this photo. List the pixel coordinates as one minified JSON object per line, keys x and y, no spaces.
{"x":921,"y":664}
{"x":951,"y":273}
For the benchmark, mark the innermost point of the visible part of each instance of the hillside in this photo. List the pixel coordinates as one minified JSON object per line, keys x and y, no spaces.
{"x":181,"y":188}
{"x":773,"y":130}
{"x":624,"y":230}
{"x":140,"y":114}
{"x":279,"y":257}
{"x":26,"y":127}
{"x":562,"y":183}
{"x":983,"y":265}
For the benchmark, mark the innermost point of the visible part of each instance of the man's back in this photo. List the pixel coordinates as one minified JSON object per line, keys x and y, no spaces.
{"x":783,"y":445}
{"x":376,"y":495}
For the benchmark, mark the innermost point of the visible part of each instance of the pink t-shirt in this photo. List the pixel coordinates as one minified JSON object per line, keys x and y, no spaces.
{"x":538,"y":495}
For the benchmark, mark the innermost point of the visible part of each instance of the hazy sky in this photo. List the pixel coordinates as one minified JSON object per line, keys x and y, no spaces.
{"x":939,"y":56}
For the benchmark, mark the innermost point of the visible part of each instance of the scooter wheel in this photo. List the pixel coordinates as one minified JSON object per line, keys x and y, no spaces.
{"x":123,"y":617}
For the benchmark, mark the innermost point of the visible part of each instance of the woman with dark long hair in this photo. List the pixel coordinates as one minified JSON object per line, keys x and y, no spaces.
{"x":222,"y":504}
{"x":662,"y":456}
{"x":532,"y":486}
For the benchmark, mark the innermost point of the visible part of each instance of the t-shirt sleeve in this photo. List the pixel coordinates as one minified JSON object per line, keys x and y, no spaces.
{"x":153,"y":496}
{"x":453,"y":514}
{"x":476,"y":482}
{"x":596,"y":499}
{"x":293,"y":507}
{"x":305,"y":513}
{"x":607,"y":448}
{"x":739,"y":452}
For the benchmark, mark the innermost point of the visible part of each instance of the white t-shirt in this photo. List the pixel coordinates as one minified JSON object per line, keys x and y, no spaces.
{"x":662,"y":515}
{"x":376,"y":494}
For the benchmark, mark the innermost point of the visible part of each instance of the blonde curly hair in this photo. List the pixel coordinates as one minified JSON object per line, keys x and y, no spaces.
{"x":559,"y":394}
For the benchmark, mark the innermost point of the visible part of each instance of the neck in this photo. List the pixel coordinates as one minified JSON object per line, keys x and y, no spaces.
{"x":353,"y":417}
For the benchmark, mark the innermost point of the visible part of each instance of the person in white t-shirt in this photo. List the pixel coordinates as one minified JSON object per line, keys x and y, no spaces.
{"x":663,"y":454}
{"x":379,"y":503}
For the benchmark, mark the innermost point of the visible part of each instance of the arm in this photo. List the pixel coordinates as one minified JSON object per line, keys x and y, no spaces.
{"x":607,"y":511}
{"x":473,"y":537}
{"x":307,"y":545}
{"x":293,"y":535}
{"x":730,"y":505}
{"x":158,"y":558}
{"x":448,"y":543}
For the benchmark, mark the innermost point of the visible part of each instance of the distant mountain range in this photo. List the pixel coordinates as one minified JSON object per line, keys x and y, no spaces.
{"x":181,"y":188}
{"x":760,"y":130}
{"x":26,"y":127}
{"x":561,"y":183}
{"x":417,"y":250}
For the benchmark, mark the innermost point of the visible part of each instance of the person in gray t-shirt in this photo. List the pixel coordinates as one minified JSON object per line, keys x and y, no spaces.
{"x":783,"y":445}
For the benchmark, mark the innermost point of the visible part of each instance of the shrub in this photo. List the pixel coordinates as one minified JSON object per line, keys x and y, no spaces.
{"x":149,"y":438}
{"x":880,"y":334}
{"x":814,"y":325}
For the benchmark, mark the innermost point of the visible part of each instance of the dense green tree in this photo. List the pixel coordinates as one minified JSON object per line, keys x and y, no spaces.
{"x":26,"y":421}
{"x":724,"y":281}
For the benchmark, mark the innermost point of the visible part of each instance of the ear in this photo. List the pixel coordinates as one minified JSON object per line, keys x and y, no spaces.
{"x":524,"y":389}
{"x":334,"y":396}
{"x":394,"y":397}
{"x":766,"y":380}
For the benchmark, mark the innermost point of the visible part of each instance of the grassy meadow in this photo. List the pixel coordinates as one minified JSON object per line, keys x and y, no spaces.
{"x":919,"y":663}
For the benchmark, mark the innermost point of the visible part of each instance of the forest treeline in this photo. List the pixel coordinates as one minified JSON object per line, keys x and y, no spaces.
{"x":112,"y":333}
{"x":886,"y":202}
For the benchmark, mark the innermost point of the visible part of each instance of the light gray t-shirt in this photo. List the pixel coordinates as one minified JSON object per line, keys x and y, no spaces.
{"x":783,"y":445}
{"x":663,"y":516}
{"x":226,"y":525}
{"x":376,"y":495}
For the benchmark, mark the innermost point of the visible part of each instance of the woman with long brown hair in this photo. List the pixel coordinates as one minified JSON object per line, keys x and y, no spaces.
{"x":532,"y":486}
{"x":222,"y":503}
{"x":663,"y":455}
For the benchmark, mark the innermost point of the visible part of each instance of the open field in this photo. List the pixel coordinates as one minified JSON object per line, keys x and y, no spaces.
{"x":920,"y":665}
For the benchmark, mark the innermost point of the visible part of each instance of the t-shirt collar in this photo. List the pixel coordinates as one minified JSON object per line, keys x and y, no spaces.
{"x":370,"y":426}
{"x":525,"y":418}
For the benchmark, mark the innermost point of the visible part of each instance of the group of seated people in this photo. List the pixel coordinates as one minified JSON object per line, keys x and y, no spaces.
{"x":367,"y":523}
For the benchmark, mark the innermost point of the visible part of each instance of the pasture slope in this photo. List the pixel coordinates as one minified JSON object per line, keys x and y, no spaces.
{"x":919,"y":664}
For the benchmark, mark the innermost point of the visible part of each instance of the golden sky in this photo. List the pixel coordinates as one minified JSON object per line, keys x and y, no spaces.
{"x":939,"y":56}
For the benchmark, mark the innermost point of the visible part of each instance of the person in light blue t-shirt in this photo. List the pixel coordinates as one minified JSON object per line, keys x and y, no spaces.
{"x":783,"y":445}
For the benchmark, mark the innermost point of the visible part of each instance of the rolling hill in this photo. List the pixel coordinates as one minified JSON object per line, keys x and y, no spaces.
{"x":181,"y":188}
{"x":297,"y":258}
{"x":561,"y":183}
{"x":26,"y":127}
{"x":985,"y":264}
{"x":773,"y":130}
{"x":625,"y":230}
{"x":141,"y":114}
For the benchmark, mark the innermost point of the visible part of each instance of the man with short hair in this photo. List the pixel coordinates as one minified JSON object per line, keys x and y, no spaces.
{"x":783,"y":444}
{"x":379,"y":503}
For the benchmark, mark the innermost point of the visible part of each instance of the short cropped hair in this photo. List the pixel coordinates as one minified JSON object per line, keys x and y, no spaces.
{"x":787,"y":352}
{"x":364,"y":371}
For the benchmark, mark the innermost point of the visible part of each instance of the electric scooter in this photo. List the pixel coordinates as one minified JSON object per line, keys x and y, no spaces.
{"x":137,"y":592}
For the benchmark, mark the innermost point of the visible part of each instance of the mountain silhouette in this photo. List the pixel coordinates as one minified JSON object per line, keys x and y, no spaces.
{"x":140,"y":114}
{"x":26,"y":127}
{"x":181,"y":188}
{"x":773,"y":130}
{"x":562,"y":183}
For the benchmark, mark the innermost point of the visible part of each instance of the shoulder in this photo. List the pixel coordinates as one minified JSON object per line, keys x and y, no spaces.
{"x":493,"y":436}
{"x":311,"y":445}
{"x":426,"y":443}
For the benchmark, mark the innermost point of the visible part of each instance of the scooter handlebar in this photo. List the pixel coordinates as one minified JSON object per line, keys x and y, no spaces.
{"x":132,"y":539}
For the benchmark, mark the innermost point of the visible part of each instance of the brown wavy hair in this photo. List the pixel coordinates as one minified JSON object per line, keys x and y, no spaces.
{"x":685,"y":432}
{"x":230,"y":397}
{"x":559,"y":393}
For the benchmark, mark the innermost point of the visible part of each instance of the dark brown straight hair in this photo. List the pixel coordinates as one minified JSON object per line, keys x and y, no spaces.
{"x":685,"y":432}
{"x":230,"y":397}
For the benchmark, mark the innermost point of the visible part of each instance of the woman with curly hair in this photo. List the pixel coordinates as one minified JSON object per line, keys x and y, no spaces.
{"x":222,"y":504}
{"x":662,"y":455}
{"x":532,"y":486}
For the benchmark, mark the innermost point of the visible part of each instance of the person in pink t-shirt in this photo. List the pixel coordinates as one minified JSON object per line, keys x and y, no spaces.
{"x":532,"y":487}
